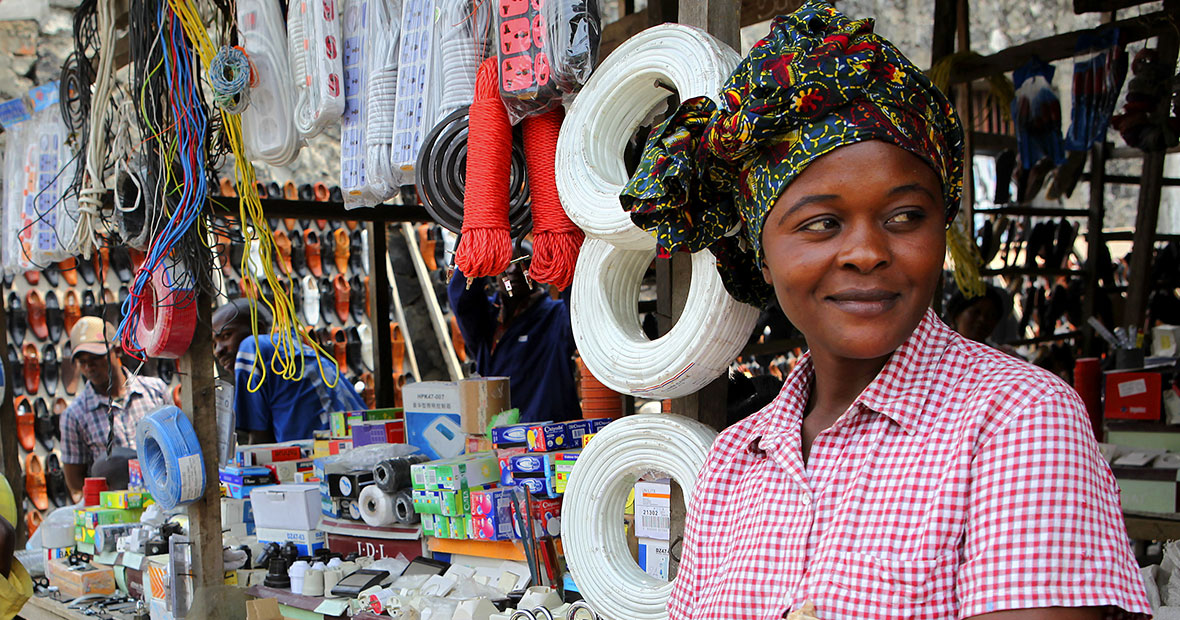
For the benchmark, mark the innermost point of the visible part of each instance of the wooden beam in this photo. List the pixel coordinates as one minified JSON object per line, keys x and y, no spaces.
{"x":198,"y":400}
{"x":943,"y":35}
{"x":614,"y":33}
{"x":379,"y":299}
{"x":1096,"y":6}
{"x":1059,"y":46}
{"x":755,"y":11}
{"x":720,"y":18}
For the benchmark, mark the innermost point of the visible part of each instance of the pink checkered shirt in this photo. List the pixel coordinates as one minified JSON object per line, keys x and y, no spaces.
{"x":962,"y":481}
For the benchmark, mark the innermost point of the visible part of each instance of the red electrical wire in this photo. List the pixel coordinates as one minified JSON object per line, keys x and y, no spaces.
{"x":485,"y":248}
{"x":556,"y":239}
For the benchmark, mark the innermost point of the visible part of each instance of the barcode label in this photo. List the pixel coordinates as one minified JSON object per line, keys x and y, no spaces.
{"x":655,"y":521}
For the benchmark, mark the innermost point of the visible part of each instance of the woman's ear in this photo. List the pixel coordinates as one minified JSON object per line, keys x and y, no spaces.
{"x":766,"y":275}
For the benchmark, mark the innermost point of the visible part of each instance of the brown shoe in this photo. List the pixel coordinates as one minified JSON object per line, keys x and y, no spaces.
{"x":32,"y":276}
{"x":33,"y":521}
{"x":457,"y":340}
{"x":322,"y":193}
{"x":399,"y":347}
{"x":283,"y":248}
{"x":342,"y":291}
{"x":32,"y":368}
{"x":35,"y":481}
{"x":69,"y":270}
{"x":35,"y":306}
{"x":26,"y":422}
{"x":340,"y":348}
{"x":369,"y":393}
{"x":71,"y":310}
{"x":341,"y":239}
{"x":311,"y":250}
{"x":176,"y":396}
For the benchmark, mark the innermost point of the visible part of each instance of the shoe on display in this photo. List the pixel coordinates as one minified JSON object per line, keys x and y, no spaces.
{"x":357,"y":299}
{"x":71,"y":311}
{"x":85,"y":268}
{"x":311,"y":251}
{"x":90,"y":305}
{"x":55,"y":482}
{"x":165,"y":370}
{"x":50,"y":368}
{"x":342,"y":248}
{"x":341,"y":292}
{"x":33,"y":277}
{"x":353,"y":352}
{"x":43,"y":423}
{"x":35,"y":309}
{"x":32,"y":368}
{"x":17,"y":320}
{"x":339,"y":348}
{"x":355,"y":246}
{"x":398,"y":340}
{"x":298,"y":254}
{"x":311,"y":301}
{"x":54,"y":320}
{"x":26,"y":422}
{"x":327,"y":301}
{"x":68,"y":371}
{"x":52,"y":274}
{"x":282,"y":245}
{"x":33,"y":521}
{"x":69,"y":270}
{"x":35,"y":481}
{"x":13,"y":369}
{"x":365,"y":335}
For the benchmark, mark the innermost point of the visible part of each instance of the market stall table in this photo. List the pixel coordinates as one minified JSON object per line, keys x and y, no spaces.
{"x":45,"y":608}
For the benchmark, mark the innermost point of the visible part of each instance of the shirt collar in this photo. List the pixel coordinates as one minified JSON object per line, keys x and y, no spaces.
{"x":131,"y":383}
{"x":899,"y":391}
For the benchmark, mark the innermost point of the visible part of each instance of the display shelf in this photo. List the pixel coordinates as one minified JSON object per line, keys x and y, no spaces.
{"x":290,"y":599}
{"x":1024,"y":210}
{"x":1031,"y":271}
{"x":1152,"y":525}
{"x":1041,"y":339}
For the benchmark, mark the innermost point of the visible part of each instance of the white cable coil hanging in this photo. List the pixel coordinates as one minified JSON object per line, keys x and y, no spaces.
{"x":590,"y":175}
{"x":602,"y":477}
{"x":708,"y":335}
{"x":620,"y":95}
{"x":462,"y":47}
{"x":313,"y":40}
{"x":94,"y":185}
{"x":268,"y":123}
{"x":382,"y":99}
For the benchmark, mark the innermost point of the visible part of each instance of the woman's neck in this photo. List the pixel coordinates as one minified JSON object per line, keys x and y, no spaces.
{"x":838,"y":382}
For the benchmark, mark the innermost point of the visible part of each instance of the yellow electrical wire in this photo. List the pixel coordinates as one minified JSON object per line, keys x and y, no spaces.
{"x":288,"y":361}
{"x":965,"y":260}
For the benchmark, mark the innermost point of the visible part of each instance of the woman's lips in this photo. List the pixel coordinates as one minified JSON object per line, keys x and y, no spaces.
{"x":864,"y":303}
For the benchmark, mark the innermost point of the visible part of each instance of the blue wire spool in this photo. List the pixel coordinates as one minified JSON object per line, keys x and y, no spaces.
{"x":170,"y":457}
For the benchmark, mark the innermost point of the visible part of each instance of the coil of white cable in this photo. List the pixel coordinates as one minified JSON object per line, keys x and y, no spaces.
{"x":602,"y":477}
{"x":384,"y":38}
{"x":313,"y":41}
{"x":708,"y":335}
{"x":268,"y":123}
{"x":620,"y":94}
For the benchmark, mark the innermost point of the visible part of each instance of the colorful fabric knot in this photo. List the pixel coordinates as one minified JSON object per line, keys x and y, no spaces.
{"x":816,"y":82}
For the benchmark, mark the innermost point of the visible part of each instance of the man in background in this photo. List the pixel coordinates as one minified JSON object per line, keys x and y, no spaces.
{"x":520,"y":332}
{"x":109,"y":406}
{"x":276,"y":407}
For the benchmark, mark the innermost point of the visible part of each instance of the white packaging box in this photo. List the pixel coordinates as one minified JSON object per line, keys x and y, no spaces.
{"x":287,"y":506}
{"x":653,"y":509}
{"x":653,"y":557}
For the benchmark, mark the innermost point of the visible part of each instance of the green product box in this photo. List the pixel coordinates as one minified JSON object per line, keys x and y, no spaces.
{"x":124,"y":500}
{"x":446,"y":503}
{"x":458,"y":526}
{"x":84,"y":535}
{"x":429,"y":525}
{"x":470,"y":471}
{"x":442,"y":527}
{"x":95,"y":517}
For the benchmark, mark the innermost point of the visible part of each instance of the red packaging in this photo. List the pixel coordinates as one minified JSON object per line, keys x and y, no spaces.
{"x":1133,"y":396}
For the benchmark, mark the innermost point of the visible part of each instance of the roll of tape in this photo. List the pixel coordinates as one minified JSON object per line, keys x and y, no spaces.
{"x":376,"y":506}
{"x":354,"y":510}
{"x":394,"y":474}
{"x":170,"y":457}
{"x":168,"y":313}
{"x":699,"y":348}
{"x":602,"y":477}
{"x":620,"y":94}
{"x":403,"y":508}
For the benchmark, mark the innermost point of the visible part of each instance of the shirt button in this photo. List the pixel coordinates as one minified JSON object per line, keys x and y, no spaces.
{"x":806,"y":499}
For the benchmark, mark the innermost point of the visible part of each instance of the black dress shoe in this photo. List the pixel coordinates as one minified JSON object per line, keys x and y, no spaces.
{"x":232,"y":289}
{"x":52,"y":274}
{"x":353,"y":353}
{"x":13,"y":370}
{"x":43,"y":423}
{"x":355,"y":261}
{"x":121,"y":264}
{"x":306,"y":193}
{"x":17,"y":323}
{"x":335,"y":195}
{"x":356,"y":301}
{"x":90,"y":306}
{"x":85,"y":268}
{"x":50,"y":369}
{"x":68,"y":372}
{"x":54,"y":320}
{"x":328,"y":251}
{"x":298,"y":258}
{"x":328,"y":301}
{"x":55,"y":482}
{"x":274,"y":191}
{"x":165,"y":370}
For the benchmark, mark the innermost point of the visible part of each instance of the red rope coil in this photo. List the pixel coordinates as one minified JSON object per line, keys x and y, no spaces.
{"x":556,"y":239}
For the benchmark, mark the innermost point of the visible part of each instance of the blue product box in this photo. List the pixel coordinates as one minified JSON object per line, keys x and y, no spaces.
{"x":239,"y":481}
{"x":539,"y":487}
{"x":540,"y":463}
{"x":491,"y":515}
{"x":306,"y":541}
{"x":437,"y":435}
{"x":558,"y":436}
{"x":513,"y":436}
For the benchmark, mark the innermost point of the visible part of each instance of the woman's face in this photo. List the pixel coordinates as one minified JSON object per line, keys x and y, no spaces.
{"x":854,"y":249}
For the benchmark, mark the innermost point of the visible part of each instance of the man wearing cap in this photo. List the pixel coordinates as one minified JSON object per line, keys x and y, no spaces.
{"x":111,"y":403}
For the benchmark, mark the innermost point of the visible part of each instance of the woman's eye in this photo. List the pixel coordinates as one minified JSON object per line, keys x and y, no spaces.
{"x":907,"y":217}
{"x":820,"y":225}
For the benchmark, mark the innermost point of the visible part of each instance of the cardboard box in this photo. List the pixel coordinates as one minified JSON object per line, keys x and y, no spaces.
{"x":340,"y":422}
{"x":1133,"y":396}
{"x":239,"y":481}
{"x":481,"y":398}
{"x":287,"y":506}
{"x":336,"y":446}
{"x":306,"y":541}
{"x":563,"y":464}
{"x":93,"y":517}
{"x":536,"y":463}
{"x":264,"y":454}
{"x":135,"y":480}
{"x":653,"y":557}
{"x":504,"y":457}
{"x":491,"y":514}
{"x":73,"y":583}
{"x":432,"y":397}
{"x":653,"y":509}
{"x":429,"y":525}
{"x":546,"y":518}
{"x":286,"y":472}
{"x":437,"y":435}
{"x":441,"y":502}
{"x":541,"y":487}
{"x":513,"y":436}
{"x":380,"y":431}
{"x":124,"y":499}
{"x":472,"y":471}
{"x":562,"y":435}
{"x":264,"y":609}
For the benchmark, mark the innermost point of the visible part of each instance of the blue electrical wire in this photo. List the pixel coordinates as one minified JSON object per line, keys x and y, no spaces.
{"x":170,"y":457}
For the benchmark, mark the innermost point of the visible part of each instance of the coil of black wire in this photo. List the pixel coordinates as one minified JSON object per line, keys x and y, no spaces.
{"x":441,"y":172}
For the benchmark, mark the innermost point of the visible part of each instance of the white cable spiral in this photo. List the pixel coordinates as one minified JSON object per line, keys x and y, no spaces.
{"x":602,"y":477}
{"x":268,"y":123}
{"x":462,"y":46}
{"x":620,"y":94}
{"x":382,"y":99}
{"x":708,"y":335}
{"x":313,"y":40}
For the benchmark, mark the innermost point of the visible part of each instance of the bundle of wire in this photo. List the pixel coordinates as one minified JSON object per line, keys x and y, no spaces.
{"x":230,"y":76}
{"x":287,"y":330}
{"x":556,"y":239}
{"x":93,"y":186}
{"x":463,"y":46}
{"x":382,"y":100}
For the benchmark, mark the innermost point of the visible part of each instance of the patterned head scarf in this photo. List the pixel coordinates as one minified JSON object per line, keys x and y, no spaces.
{"x":818,"y":81}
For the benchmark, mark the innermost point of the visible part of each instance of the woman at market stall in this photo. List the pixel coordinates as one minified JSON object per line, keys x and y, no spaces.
{"x":903,"y":471}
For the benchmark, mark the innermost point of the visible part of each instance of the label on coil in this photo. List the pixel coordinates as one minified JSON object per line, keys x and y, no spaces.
{"x":189,"y":468}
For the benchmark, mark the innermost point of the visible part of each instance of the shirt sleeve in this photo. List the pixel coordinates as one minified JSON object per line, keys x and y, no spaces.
{"x":74,"y":450}
{"x":1044,"y":525}
{"x":15,"y":590}
{"x":251,"y":408}
{"x":473,"y":310}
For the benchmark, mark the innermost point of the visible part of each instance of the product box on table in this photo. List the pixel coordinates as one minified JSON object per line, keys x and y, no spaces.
{"x":534,"y":463}
{"x":349,"y":484}
{"x":336,"y":446}
{"x":73,"y":582}
{"x":264,"y":454}
{"x":538,"y":486}
{"x":306,"y":541}
{"x":546,"y":518}
{"x":442,"y":502}
{"x":480,"y":398}
{"x":340,"y":422}
{"x":93,"y":517}
{"x":653,"y":509}
{"x":1133,"y":396}
{"x":429,"y":527}
{"x":437,"y":435}
{"x":287,"y":506}
{"x":135,"y":480}
{"x":452,"y":527}
{"x":563,"y":464}
{"x":286,"y":472}
{"x":653,"y":557}
{"x":379,"y":431}
{"x":491,"y":514}
{"x":470,"y":471}
{"x":124,"y":499}
{"x":562,"y":435}
{"x":504,"y":457}
{"x":239,"y":480}
{"x":515,"y":435}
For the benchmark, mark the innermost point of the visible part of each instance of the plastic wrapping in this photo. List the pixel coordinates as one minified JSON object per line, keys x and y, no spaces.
{"x":546,"y":49}
{"x":367,"y":457}
{"x":382,"y":62}
{"x":464,"y":30}
{"x":415,"y":105}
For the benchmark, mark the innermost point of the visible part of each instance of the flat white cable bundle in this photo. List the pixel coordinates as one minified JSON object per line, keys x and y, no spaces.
{"x":382,"y":98}
{"x":313,"y":39}
{"x":620,"y":95}
{"x":463,"y":44}
{"x":356,"y":13}
{"x":602,"y":477}
{"x":268,"y":123}
{"x":94,"y":185}
{"x":590,"y":175}
{"x":414,"y":103}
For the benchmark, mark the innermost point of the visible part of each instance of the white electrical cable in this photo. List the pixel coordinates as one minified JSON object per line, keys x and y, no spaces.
{"x":414,"y":115}
{"x":602,"y":477}
{"x":708,"y":335}
{"x":462,"y":47}
{"x":382,"y":98}
{"x":268,"y":123}
{"x":94,"y":185}
{"x":620,"y":94}
{"x":313,"y":40}
{"x":356,"y":13}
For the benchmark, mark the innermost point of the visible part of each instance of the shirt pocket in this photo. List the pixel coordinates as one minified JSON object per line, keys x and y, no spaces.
{"x":903,"y":585}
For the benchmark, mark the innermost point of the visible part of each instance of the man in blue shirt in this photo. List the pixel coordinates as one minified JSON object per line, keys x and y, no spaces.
{"x":525,"y":336}
{"x":276,"y":408}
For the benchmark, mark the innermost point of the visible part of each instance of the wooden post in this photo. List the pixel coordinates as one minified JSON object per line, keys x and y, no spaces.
{"x":720,"y":18}
{"x":378,"y":300}
{"x":198,"y":400}
{"x":966,"y":109}
{"x":1094,"y":241}
{"x":943,"y":36}
{"x":1147,"y":215}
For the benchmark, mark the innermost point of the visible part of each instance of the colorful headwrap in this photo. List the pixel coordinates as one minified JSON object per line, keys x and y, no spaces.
{"x":818,"y":81}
